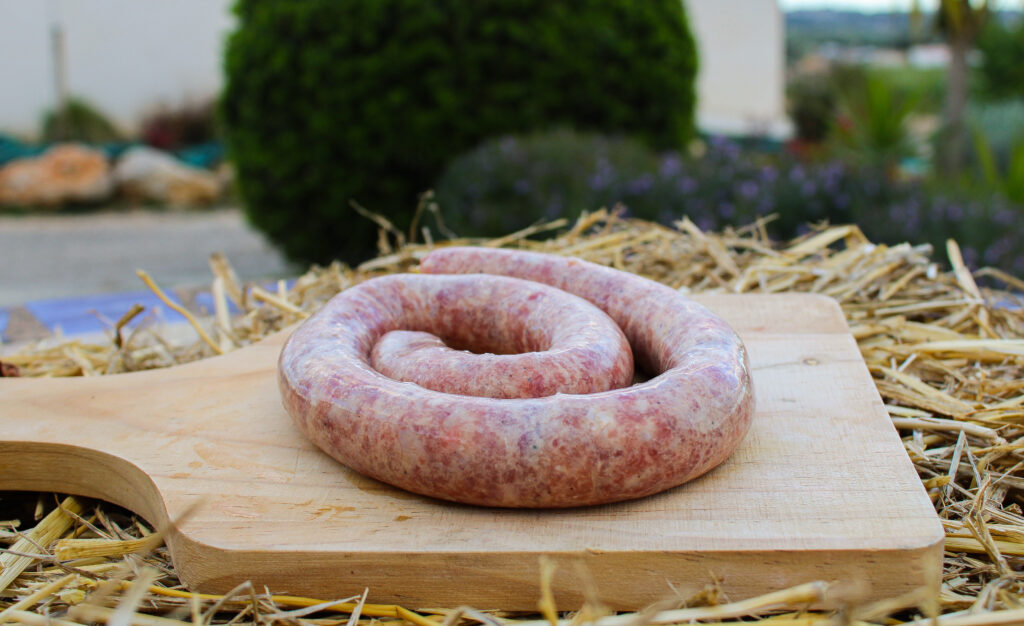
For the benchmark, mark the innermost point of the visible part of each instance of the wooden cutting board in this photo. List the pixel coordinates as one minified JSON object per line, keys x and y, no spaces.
{"x":820,"y":489}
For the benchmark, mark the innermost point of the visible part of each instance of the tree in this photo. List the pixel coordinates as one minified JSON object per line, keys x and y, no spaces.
{"x":1002,"y":60}
{"x":960,"y":22}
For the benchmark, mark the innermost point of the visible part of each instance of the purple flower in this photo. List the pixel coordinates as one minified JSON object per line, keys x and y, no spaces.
{"x":507,"y":145}
{"x":749,"y":189}
{"x":831,"y":176}
{"x":970,"y":256}
{"x":995,"y":252}
{"x":640,"y":185}
{"x":724,"y":146}
{"x":686,"y":185}
{"x":954,"y":212}
{"x":671,"y":165}
{"x":1003,"y":217}
{"x":602,"y":177}
{"x":554,"y":208}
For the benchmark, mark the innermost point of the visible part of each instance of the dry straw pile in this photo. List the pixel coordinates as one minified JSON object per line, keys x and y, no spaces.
{"x":945,"y":353}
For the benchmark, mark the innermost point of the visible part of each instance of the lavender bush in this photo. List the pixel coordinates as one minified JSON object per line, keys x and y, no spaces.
{"x":511,"y":182}
{"x":514,"y":181}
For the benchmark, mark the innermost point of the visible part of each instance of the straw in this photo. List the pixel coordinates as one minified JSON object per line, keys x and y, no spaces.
{"x":945,"y":349}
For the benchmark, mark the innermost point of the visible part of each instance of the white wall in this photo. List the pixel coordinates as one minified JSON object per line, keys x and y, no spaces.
{"x":741,"y":84}
{"x":124,"y":56}
{"x":129,"y":56}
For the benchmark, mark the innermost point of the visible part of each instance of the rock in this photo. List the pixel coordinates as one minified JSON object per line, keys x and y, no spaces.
{"x":65,"y":173}
{"x":151,"y":175}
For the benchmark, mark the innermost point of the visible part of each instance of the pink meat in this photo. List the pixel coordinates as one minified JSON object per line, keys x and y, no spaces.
{"x":554,"y":451}
{"x":547,"y":341}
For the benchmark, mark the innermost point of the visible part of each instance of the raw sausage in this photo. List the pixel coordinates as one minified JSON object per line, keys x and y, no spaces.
{"x":548,"y":341}
{"x":554,"y":451}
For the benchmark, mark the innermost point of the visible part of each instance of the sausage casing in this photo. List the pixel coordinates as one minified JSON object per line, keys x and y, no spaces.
{"x":553,"y":451}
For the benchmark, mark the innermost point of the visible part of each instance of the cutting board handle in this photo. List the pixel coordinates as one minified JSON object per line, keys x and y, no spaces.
{"x":77,"y":470}
{"x":116,"y":437}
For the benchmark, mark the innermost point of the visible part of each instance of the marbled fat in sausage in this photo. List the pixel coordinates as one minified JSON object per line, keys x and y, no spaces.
{"x":554,"y":451}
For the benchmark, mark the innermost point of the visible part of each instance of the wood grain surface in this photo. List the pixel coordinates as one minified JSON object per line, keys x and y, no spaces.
{"x":821,"y":488}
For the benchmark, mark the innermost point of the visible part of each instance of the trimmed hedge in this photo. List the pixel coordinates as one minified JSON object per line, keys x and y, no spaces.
{"x":329,"y":101}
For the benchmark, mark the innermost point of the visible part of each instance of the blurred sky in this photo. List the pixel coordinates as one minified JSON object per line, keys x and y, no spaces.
{"x":857,"y":5}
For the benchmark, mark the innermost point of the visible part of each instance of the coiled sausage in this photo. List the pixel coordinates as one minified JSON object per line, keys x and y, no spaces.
{"x":554,"y":451}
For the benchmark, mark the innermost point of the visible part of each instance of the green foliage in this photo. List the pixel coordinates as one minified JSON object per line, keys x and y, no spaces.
{"x":78,"y":121}
{"x":812,"y":105}
{"x":925,"y":87}
{"x":1002,"y":60}
{"x":1009,"y":183}
{"x":1001,"y":123}
{"x":329,"y":101}
{"x":873,"y":130}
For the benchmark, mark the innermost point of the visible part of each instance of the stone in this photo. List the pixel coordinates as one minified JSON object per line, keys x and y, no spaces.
{"x":150,"y":175}
{"x":66,"y":173}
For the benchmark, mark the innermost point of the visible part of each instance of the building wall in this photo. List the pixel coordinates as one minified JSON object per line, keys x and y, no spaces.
{"x":128,"y":57}
{"x":124,"y":56}
{"x":741,"y":84}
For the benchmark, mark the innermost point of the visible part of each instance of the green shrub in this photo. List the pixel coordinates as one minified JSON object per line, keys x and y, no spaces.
{"x":329,"y":101}
{"x":509,"y":183}
{"x":78,"y":121}
{"x":812,"y":106}
{"x":873,"y":128}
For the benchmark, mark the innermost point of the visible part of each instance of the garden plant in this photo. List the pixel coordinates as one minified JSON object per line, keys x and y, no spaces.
{"x":332,"y":102}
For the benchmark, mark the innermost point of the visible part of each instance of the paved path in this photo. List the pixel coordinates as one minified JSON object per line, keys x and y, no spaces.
{"x":48,"y":261}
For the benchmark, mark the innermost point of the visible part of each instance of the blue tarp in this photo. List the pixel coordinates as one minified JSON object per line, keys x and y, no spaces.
{"x":98,"y":313}
{"x":205,"y":155}
{"x":74,"y":316}
{"x":11,"y":148}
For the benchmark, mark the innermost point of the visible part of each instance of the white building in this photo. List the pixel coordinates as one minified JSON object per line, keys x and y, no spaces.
{"x":128,"y":57}
{"x":741,"y":85}
{"x":125,"y":57}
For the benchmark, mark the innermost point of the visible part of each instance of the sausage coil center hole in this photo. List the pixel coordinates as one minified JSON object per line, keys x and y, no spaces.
{"x":500,"y":337}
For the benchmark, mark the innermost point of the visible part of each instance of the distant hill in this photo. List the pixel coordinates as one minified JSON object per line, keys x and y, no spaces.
{"x":806,"y":29}
{"x":851,"y":28}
